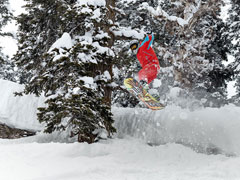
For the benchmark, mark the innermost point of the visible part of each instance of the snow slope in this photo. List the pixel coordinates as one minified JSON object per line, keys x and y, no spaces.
{"x":117,"y":159}
{"x":175,"y":131}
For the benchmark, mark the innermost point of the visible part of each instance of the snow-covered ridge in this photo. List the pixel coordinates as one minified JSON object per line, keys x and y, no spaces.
{"x":18,"y":111}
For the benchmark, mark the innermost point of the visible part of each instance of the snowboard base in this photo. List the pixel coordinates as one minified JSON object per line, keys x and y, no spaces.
{"x":139,"y":92}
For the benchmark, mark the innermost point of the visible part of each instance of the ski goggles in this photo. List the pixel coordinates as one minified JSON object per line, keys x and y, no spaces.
{"x":134,"y":46}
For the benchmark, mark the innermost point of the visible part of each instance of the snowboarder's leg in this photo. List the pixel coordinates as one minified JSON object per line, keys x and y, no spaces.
{"x":134,"y":87}
{"x":148,"y":73}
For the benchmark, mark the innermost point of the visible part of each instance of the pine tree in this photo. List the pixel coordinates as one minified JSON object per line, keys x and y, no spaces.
{"x":233,"y":35}
{"x":6,"y":66}
{"x":39,"y":29}
{"x":5,"y":13}
{"x":66,"y":46}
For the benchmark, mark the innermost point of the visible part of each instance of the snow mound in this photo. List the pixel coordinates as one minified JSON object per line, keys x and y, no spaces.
{"x":209,"y":130}
{"x":19,"y":112}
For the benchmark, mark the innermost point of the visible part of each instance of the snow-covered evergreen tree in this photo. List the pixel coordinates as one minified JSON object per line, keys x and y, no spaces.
{"x":66,"y":45}
{"x":6,"y":66}
{"x":5,"y":13}
{"x":196,"y":55}
{"x":233,"y":36}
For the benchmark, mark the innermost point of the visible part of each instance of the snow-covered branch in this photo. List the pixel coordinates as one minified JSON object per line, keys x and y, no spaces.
{"x":160,"y":13}
{"x":126,"y":32}
{"x":191,"y":13}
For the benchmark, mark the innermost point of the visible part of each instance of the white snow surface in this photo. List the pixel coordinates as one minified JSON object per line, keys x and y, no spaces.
{"x":88,"y":81}
{"x":127,"y":156}
{"x":224,"y":10}
{"x":92,"y":2}
{"x":201,"y":129}
{"x":161,"y":12}
{"x":149,"y":145}
{"x":17,"y":7}
{"x":64,"y":42}
{"x":128,"y":32}
{"x":116,"y":159}
{"x":18,"y":111}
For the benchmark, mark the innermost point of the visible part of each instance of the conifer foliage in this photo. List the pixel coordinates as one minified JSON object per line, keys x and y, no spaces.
{"x":232,"y":34}
{"x":66,"y":45}
{"x":6,"y":66}
{"x":5,"y":13}
{"x":195,"y":53}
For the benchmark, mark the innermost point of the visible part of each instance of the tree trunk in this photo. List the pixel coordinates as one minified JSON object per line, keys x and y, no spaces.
{"x":110,"y":4}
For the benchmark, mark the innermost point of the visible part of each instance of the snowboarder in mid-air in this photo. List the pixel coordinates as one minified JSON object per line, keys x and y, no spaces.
{"x":150,"y":67}
{"x":148,"y":60}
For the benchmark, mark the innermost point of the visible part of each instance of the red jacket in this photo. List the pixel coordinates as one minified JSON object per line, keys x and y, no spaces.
{"x":148,"y":59}
{"x":145,"y":52}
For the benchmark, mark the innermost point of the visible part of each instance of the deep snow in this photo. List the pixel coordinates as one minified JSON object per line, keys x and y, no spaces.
{"x":205,"y":130}
{"x":128,"y":156}
{"x":154,"y":145}
{"x":208,"y":130}
{"x":18,"y":111}
{"x":117,"y":159}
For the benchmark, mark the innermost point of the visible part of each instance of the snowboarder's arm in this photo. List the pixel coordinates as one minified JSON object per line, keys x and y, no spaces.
{"x":152,"y":38}
{"x":148,"y":40}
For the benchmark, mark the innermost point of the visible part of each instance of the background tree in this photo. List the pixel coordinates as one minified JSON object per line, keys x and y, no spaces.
{"x":6,"y":15}
{"x":66,"y":46}
{"x":197,"y":52}
{"x":189,"y":46}
{"x":232,"y":35}
{"x":6,"y":66}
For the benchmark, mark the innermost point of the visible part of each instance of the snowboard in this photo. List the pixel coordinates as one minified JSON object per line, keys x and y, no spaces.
{"x":142,"y":94}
